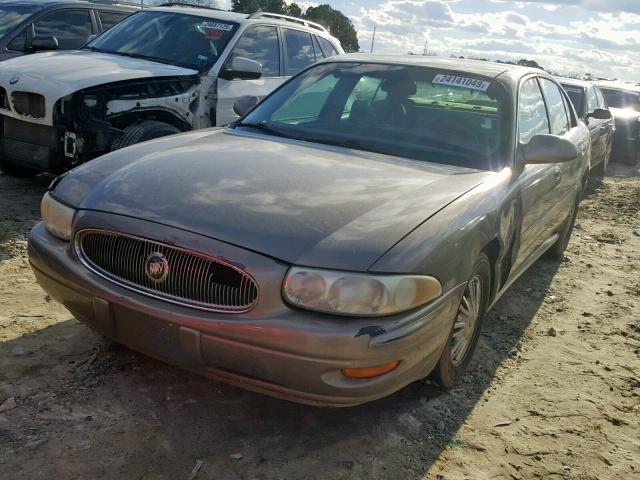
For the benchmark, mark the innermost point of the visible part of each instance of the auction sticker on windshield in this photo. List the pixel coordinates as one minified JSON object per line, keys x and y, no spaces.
{"x":217,"y":26}
{"x":462,"y":82}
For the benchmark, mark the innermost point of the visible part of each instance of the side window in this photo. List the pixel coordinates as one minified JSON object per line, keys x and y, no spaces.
{"x":532,"y":114}
{"x":261,"y":44}
{"x":72,"y":28}
{"x":592,"y":100}
{"x":316,"y":46}
{"x":307,"y":103}
{"x":328,"y":49}
{"x":601,"y":101}
{"x":299,"y":50}
{"x":109,"y":19}
{"x":19,"y":43}
{"x":573,"y":121}
{"x":555,"y":106}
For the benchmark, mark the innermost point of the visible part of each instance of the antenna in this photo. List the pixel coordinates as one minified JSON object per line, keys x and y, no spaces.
{"x":373,"y":40}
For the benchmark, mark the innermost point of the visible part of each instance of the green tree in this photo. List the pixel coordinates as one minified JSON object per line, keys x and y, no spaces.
{"x":337,"y":23}
{"x":271,"y":6}
{"x":334,"y":20}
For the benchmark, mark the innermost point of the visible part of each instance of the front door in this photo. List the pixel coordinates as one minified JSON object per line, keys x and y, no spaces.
{"x":259,"y":43}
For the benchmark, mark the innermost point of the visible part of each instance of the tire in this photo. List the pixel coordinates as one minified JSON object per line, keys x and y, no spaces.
{"x":455,"y":357}
{"x":17,"y":171}
{"x":143,"y":131}
{"x":556,"y":251}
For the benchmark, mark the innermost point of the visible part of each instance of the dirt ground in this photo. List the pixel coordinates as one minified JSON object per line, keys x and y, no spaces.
{"x":553,"y":394}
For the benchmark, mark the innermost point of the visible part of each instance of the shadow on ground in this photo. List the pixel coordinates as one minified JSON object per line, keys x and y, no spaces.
{"x":20,"y":210}
{"x":91,"y":409}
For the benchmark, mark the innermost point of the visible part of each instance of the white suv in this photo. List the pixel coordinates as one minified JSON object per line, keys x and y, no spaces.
{"x":160,"y":71}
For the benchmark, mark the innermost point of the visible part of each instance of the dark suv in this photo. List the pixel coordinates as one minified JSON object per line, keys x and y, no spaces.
{"x":28,"y":26}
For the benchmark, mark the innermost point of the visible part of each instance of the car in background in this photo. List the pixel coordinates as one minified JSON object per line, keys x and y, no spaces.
{"x":624,"y":102}
{"x":160,"y":71}
{"x":343,"y":239}
{"x":30,"y":26}
{"x":592,"y":109}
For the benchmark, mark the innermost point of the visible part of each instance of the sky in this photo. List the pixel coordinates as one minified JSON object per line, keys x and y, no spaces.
{"x":600,"y":37}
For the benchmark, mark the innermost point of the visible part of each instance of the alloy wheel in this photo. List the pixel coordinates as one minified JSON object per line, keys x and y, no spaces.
{"x":466,"y":320}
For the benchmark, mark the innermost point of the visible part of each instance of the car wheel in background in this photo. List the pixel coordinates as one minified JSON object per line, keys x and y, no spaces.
{"x":467,"y":326}
{"x":17,"y":170}
{"x":633,"y":156}
{"x":143,"y":131}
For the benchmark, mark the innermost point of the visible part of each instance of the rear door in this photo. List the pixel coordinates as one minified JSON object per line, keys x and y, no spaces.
{"x":260,"y":43}
{"x":607,"y":126}
{"x":597,"y":128}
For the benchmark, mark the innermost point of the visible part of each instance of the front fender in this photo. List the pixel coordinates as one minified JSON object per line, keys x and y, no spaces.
{"x":448,"y":244}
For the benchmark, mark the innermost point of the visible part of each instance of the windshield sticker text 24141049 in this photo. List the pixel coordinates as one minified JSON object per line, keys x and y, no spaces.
{"x":462,"y":82}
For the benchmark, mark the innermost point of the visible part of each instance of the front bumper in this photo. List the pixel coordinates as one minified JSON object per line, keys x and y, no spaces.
{"x":30,"y":145}
{"x":273,"y":349}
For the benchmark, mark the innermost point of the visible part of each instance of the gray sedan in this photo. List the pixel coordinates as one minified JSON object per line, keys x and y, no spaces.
{"x":342,"y":240}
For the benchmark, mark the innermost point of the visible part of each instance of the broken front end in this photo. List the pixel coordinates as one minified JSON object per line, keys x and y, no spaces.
{"x":96,"y":120}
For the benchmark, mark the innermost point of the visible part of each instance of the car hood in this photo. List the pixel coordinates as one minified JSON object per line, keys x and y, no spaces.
{"x":58,"y":74}
{"x":301,"y":203}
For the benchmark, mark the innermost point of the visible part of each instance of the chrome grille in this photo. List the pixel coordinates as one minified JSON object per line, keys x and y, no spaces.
{"x":193,"y":279}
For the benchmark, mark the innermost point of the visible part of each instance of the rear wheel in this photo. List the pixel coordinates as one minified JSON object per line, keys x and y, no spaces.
{"x":17,"y":170}
{"x":143,"y":131}
{"x":467,"y":326}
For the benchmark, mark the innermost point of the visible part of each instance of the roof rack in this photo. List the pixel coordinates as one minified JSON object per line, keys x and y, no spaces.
{"x":126,"y":3}
{"x":181,"y":4}
{"x":289,"y":18}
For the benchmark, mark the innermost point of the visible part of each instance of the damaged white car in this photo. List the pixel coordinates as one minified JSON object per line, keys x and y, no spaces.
{"x":159,"y":72}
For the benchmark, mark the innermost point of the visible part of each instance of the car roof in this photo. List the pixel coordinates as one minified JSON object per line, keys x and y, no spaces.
{"x":49,"y":3}
{"x":477,"y":67}
{"x":575,"y":82}
{"x":284,"y":20}
{"x":613,"y":85}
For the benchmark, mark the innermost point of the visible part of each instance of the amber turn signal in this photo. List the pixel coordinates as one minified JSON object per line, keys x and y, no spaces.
{"x":370,"y":372}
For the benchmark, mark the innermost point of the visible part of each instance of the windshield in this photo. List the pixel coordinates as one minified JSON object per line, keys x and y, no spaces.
{"x":622,"y":99}
{"x":187,"y":41}
{"x":12,"y":15}
{"x":412,"y":112}
{"x":576,"y":94}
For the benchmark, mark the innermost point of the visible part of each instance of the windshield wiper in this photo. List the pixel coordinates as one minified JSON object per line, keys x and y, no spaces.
{"x":263,"y":127}
{"x":139,"y":56}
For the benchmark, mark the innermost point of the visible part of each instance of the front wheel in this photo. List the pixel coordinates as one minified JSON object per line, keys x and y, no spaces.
{"x":467,"y":326}
{"x":143,"y":131}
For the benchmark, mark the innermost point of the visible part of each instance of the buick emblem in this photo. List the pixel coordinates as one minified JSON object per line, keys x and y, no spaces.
{"x":156,"y":267}
{"x":14,"y":80}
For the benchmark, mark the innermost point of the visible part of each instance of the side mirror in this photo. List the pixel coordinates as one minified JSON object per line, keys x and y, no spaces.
{"x":546,"y":148}
{"x":600,"y":114}
{"x":244,"y":104}
{"x":41,"y":43}
{"x":243,"y":69}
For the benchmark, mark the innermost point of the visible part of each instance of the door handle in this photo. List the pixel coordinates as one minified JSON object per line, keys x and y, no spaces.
{"x":604,"y":127}
{"x":557,"y":173}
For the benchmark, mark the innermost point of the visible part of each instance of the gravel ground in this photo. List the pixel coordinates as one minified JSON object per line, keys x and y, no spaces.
{"x":554,"y":392}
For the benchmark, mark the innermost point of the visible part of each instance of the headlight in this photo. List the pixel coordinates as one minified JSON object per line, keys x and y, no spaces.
{"x":357,"y":294}
{"x":57,"y":217}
